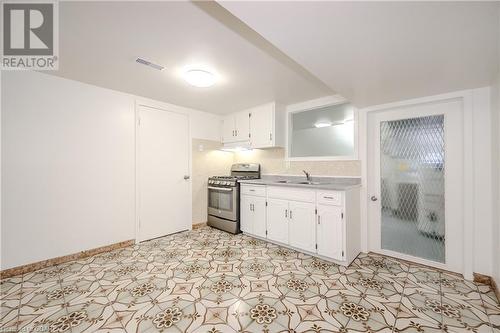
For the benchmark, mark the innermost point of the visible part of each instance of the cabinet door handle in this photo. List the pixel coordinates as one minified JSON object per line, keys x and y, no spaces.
{"x":319,"y":219}
{"x":236,"y":132}
{"x":290,"y":214}
{"x":286,"y":212}
{"x":328,"y":197}
{"x":253,"y":208}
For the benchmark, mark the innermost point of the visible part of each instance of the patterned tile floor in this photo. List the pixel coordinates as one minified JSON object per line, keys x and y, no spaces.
{"x":210,"y":281}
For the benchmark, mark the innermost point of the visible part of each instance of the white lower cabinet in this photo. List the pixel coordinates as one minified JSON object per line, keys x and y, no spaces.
{"x":325,"y":223}
{"x":259,"y":216}
{"x":277,"y":220}
{"x":246,"y":214}
{"x":253,"y":212}
{"x":301,"y":228}
{"x":330,"y":232}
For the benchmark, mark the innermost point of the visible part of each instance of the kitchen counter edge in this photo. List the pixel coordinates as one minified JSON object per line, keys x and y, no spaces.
{"x":332,"y":186}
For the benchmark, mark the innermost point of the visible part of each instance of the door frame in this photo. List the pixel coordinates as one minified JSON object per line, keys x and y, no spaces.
{"x":466,"y":98}
{"x":452,"y":188}
{"x":169,"y":108}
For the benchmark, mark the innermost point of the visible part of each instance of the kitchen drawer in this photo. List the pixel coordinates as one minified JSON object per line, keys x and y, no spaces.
{"x":257,"y":190}
{"x":291,"y":193}
{"x":329,"y":198}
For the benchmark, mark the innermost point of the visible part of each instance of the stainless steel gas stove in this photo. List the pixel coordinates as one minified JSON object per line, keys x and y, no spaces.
{"x":224,"y":197}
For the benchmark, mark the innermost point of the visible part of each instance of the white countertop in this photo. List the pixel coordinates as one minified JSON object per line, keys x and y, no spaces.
{"x":326,"y":183}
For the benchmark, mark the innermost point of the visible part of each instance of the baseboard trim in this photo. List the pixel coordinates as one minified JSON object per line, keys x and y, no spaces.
{"x":199,"y":225}
{"x":485,"y":279}
{"x":481,"y":278}
{"x":28,"y":268}
{"x":418,"y":264}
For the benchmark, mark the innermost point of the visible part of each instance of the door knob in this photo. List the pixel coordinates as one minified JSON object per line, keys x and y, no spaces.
{"x":186,"y":177}
{"x":373,"y":198}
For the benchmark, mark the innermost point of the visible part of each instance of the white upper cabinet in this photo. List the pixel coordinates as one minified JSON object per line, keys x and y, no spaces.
{"x":242,"y":126}
{"x":262,"y":126}
{"x":236,"y":127}
{"x":267,"y":126}
{"x":228,"y":131}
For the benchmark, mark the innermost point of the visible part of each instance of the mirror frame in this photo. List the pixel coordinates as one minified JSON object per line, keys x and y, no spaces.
{"x":313,"y":105}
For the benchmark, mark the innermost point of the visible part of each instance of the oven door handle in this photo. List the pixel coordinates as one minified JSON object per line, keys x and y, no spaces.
{"x":225,"y":189}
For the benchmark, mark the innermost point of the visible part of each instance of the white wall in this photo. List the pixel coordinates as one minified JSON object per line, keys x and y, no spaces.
{"x":496,"y":167}
{"x":68,"y":168}
{"x":495,"y":126}
{"x":484,"y":184}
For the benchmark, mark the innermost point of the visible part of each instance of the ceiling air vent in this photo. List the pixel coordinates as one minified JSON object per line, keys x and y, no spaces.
{"x":149,"y":63}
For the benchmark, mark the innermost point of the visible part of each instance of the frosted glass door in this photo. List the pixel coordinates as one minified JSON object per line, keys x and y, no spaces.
{"x":412,"y":187}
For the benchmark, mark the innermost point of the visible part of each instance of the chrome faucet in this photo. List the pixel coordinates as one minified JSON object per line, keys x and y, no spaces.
{"x":308,"y":176}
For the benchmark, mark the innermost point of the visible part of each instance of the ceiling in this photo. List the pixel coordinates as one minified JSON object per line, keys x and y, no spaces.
{"x":378,"y":52}
{"x":99,"y":42}
{"x":368,"y":52}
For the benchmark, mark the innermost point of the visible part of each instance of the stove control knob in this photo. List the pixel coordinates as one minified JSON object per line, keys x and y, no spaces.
{"x":227,"y":183}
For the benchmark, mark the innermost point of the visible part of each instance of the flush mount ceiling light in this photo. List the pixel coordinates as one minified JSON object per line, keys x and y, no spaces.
{"x":199,"y":78}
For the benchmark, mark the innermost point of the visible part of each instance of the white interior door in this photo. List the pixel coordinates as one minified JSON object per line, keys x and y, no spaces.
{"x":163,"y":164}
{"x":415,"y":183}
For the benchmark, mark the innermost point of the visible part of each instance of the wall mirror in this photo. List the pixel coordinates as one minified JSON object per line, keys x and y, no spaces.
{"x":326,"y":132}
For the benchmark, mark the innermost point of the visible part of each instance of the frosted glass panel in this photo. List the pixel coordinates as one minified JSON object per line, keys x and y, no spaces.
{"x":412,"y":186}
{"x":325,"y":131}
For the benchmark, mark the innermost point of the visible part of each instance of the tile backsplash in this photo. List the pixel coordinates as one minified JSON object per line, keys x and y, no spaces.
{"x":273,"y":162}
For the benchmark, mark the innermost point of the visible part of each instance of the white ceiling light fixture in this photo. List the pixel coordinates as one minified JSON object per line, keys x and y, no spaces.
{"x":200,"y":78}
